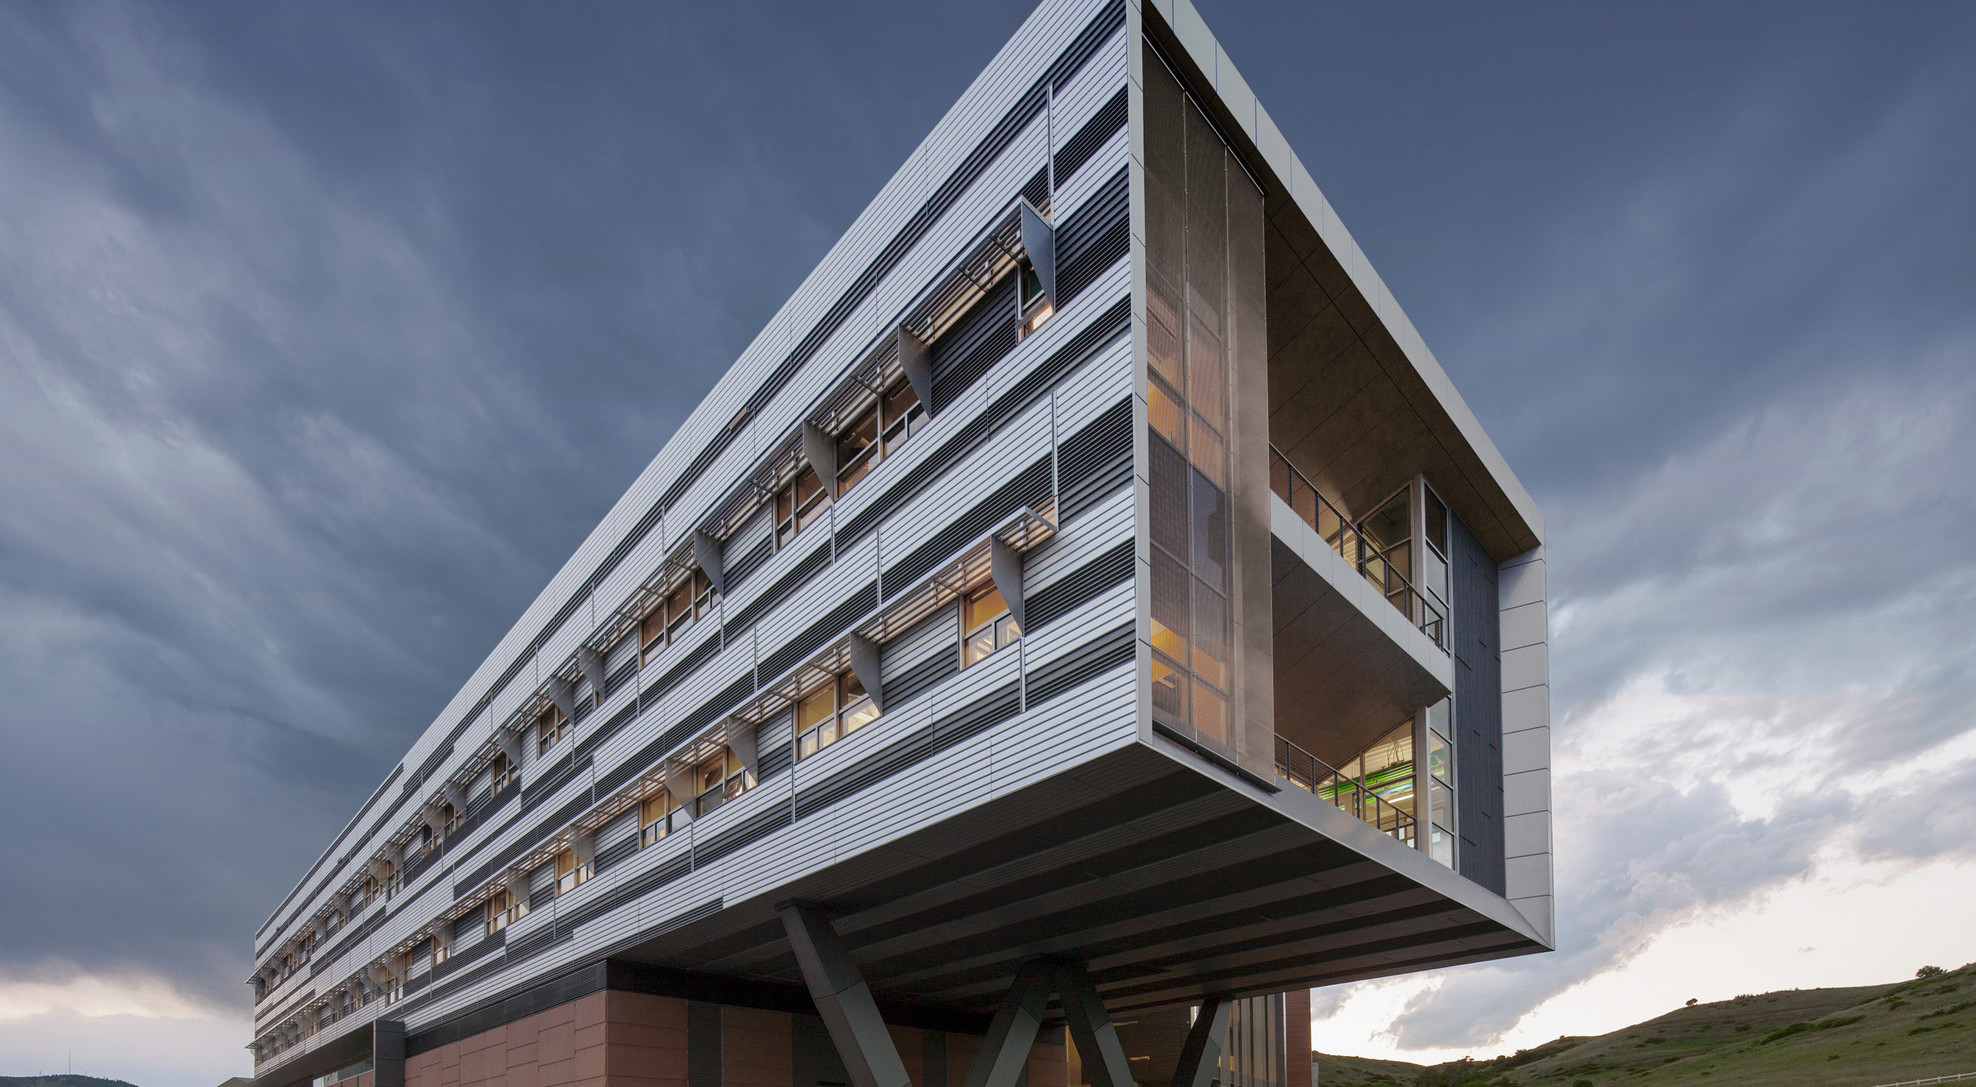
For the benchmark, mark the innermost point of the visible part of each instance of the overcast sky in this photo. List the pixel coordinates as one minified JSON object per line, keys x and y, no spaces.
{"x":328,"y":331}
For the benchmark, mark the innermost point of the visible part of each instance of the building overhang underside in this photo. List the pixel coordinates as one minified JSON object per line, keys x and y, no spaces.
{"x":1168,"y":883}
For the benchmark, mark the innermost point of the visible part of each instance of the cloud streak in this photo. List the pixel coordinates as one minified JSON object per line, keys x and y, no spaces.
{"x":325,"y":337}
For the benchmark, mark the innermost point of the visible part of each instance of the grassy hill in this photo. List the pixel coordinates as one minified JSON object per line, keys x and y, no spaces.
{"x":61,"y":1081}
{"x":1856,"y":1037}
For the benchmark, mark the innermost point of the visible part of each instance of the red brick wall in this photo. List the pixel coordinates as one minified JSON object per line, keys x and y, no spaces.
{"x":1296,"y":1038}
{"x":613,"y":1039}
{"x":754,"y":1048}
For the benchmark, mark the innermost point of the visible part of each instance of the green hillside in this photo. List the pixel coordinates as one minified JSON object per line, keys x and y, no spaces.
{"x":61,"y":1081}
{"x":1854,"y":1037}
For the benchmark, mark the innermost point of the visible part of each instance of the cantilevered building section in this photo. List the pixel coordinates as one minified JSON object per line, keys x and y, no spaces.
{"x":1084,"y":614}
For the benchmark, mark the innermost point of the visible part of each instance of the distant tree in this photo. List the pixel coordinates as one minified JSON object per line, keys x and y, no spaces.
{"x":1927,"y":972}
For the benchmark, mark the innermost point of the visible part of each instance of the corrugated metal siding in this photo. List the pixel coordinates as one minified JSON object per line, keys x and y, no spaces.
{"x":1478,"y":720}
{"x":1034,"y":392}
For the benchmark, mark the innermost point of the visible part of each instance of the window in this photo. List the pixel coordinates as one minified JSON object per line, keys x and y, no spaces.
{"x":394,"y":987}
{"x":878,"y":432}
{"x":449,"y":817}
{"x":657,"y":817}
{"x":551,"y":727}
{"x":504,"y":772}
{"x":503,"y":909}
{"x":569,"y":874}
{"x":832,"y":712}
{"x":440,"y":952}
{"x":687,"y":604}
{"x":1440,"y":784}
{"x":333,"y":922}
{"x":719,"y":779}
{"x":798,"y":504}
{"x":1036,"y":309}
{"x":1433,"y":570}
{"x":367,"y":891}
{"x":987,"y":625}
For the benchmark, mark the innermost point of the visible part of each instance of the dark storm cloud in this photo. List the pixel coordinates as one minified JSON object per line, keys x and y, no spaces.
{"x":326,"y":332}
{"x":1704,"y":274}
{"x":325,"y":335}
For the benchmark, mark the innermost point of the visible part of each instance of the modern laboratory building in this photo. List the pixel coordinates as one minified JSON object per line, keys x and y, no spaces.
{"x":1084,"y":618}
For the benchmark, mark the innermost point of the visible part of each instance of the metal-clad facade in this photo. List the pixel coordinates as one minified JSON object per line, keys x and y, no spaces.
{"x":798,"y":585}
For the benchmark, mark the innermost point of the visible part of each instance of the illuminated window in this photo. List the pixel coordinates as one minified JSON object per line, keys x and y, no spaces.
{"x":987,"y":625}
{"x":503,"y":771}
{"x":503,"y":909}
{"x":550,"y":728}
{"x":877,"y":432}
{"x":1440,"y":784}
{"x":569,"y":874}
{"x":832,"y":712}
{"x":798,"y":504}
{"x":657,"y":816}
{"x":687,"y":604}
{"x":719,"y":779}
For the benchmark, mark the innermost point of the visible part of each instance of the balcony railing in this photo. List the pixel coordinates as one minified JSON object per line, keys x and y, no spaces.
{"x":1351,"y":545}
{"x":1311,"y":774}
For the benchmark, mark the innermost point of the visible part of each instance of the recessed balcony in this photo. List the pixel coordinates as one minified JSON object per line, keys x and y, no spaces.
{"x":1357,"y":646}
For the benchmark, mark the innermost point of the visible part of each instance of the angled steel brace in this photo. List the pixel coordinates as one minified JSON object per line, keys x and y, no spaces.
{"x":1091,"y":1026}
{"x":1200,"y":1057}
{"x":843,"y":999}
{"x":1013,"y":1030}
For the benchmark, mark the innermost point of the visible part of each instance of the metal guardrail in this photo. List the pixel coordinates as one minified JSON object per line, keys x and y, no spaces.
{"x":1311,"y":774}
{"x":1351,"y":545}
{"x":1957,"y":1078}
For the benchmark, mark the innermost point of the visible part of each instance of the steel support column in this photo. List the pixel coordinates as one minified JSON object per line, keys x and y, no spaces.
{"x":844,"y":1000}
{"x":1200,"y":1057}
{"x":1091,"y":1026}
{"x":1013,"y":1030}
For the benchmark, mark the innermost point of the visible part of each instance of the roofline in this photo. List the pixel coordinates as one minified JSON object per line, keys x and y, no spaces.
{"x":1271,"y":154}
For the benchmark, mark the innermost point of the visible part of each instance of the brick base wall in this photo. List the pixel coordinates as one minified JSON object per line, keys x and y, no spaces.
{"x":616,"y":1039}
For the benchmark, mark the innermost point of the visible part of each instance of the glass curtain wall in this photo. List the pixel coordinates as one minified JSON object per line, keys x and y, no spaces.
{"x":1441,"y":782}
{"x":1189,"y":175}
{"x":1253,"y":1053}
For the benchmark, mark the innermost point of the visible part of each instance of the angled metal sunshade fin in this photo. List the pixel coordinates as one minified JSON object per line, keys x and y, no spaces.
{"x":820,"y":449}
{"x":741,"y":737}
{"x":563,"y":693}
{"x":917,"y":361}
{"x":864,"y":662}
{"x":707,"y":553}
{"x":592,"y":663}
{"x":1039,"y":243}
{"x":1005,"y":568}
{"x":679,"y":782}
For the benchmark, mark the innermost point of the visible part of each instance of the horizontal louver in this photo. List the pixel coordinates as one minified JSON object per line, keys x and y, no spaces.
{"x":616,"y":840}
{"x":541,"y":885}
{"x":1030,"y":487}
{"x":1097,"y":132}
{"x":1095,"y":461}
{"x":1080,"y":586}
